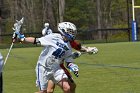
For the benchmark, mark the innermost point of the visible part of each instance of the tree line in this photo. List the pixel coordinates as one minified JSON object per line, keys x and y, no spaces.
{"x":86,"y":14}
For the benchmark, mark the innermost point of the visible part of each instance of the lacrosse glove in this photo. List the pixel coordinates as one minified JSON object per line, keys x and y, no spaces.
{"x":76,"y":54}
{"x":73,"y":68}
{"x":92,"y":50}
{"x":46,"y":29}
{"x":20,"y":36}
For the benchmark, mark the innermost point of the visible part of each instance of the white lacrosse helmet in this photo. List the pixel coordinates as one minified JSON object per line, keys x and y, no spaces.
{"x":67,"y":29}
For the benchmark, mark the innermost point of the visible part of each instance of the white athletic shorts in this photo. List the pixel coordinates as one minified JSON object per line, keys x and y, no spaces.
{"x":44,"y":74}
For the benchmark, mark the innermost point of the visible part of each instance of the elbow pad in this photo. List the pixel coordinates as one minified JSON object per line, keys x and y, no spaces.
{"x":36,"y":41}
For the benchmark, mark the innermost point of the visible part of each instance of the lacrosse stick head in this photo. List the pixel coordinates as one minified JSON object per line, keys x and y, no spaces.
{"x":18,"y":25}
{"x":16,"y":28}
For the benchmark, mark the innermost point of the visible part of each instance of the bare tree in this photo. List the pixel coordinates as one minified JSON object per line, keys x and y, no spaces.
{"x":99,"y":18}
{"x":1,"y":5}
{"x":61,"y":10}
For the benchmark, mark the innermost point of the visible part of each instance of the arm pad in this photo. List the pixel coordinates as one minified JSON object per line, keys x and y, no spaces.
{"x":36,"y":41}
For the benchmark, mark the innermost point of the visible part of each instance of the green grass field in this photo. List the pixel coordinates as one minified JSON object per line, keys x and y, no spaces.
{"x":115,"y":69}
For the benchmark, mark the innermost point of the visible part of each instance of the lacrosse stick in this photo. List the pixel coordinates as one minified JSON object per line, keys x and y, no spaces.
{"x":16,"y":29}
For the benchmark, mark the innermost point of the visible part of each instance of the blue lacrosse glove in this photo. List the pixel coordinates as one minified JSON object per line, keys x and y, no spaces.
{"x":20,"y":36}
{"x":73,"y":68}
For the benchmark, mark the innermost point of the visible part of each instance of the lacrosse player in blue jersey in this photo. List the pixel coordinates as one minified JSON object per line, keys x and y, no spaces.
{"x":56,"y":50}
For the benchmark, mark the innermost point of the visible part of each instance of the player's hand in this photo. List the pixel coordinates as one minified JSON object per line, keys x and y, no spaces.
{"x":74,"y":68}
{"x":20,"y":36}
{"x":14,"y":37}
{"x":76,"y":54}
{"x":17,"y":36}
{"x":44,"y":31}
{"x":92,"y":50}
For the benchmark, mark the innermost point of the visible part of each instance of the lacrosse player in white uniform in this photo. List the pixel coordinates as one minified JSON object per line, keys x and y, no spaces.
{"x":76,"y":45}
{"x":56,"y":50}
{"x":1,"y":79}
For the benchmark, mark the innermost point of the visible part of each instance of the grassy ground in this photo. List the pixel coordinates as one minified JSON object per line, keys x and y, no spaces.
{"x":115,"y":69}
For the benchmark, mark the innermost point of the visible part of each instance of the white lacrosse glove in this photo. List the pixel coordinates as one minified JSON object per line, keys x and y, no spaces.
{"x":46,"y":29}
{"x":73,"y":68}
{"x":76,"y":54}
{"x":92,"y":50}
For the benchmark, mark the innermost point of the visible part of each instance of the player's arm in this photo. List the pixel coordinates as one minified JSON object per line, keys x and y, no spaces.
{"x":32,"y":40}
{"x":77,"y":46}
{"x":22,"y":38}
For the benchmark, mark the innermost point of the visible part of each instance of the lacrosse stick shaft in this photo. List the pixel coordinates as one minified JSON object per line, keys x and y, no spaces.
{"x":8,"y":53}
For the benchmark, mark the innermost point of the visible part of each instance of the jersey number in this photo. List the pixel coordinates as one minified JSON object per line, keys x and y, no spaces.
{"x":58,"y":53}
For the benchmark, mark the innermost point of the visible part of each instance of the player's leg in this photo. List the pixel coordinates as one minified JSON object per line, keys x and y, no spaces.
{"x":64,"y":85}
{"x":41,"y":82}
{"x":70,"y":79}
{"x":51,"y":86}
{"x":72,"y":86}
{"x":61,"y":79}
{"x":67,"y":86}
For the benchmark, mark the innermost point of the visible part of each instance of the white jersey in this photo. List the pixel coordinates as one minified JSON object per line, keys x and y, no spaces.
{"x":55,"y":50}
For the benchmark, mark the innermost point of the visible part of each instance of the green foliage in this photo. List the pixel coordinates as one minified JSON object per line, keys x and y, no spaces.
{"x":77,"y":12}
{"x":83,"y":13}
{"x":8,"y":24}
{"x":120,"y":36}
{"x":120,"y":25}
